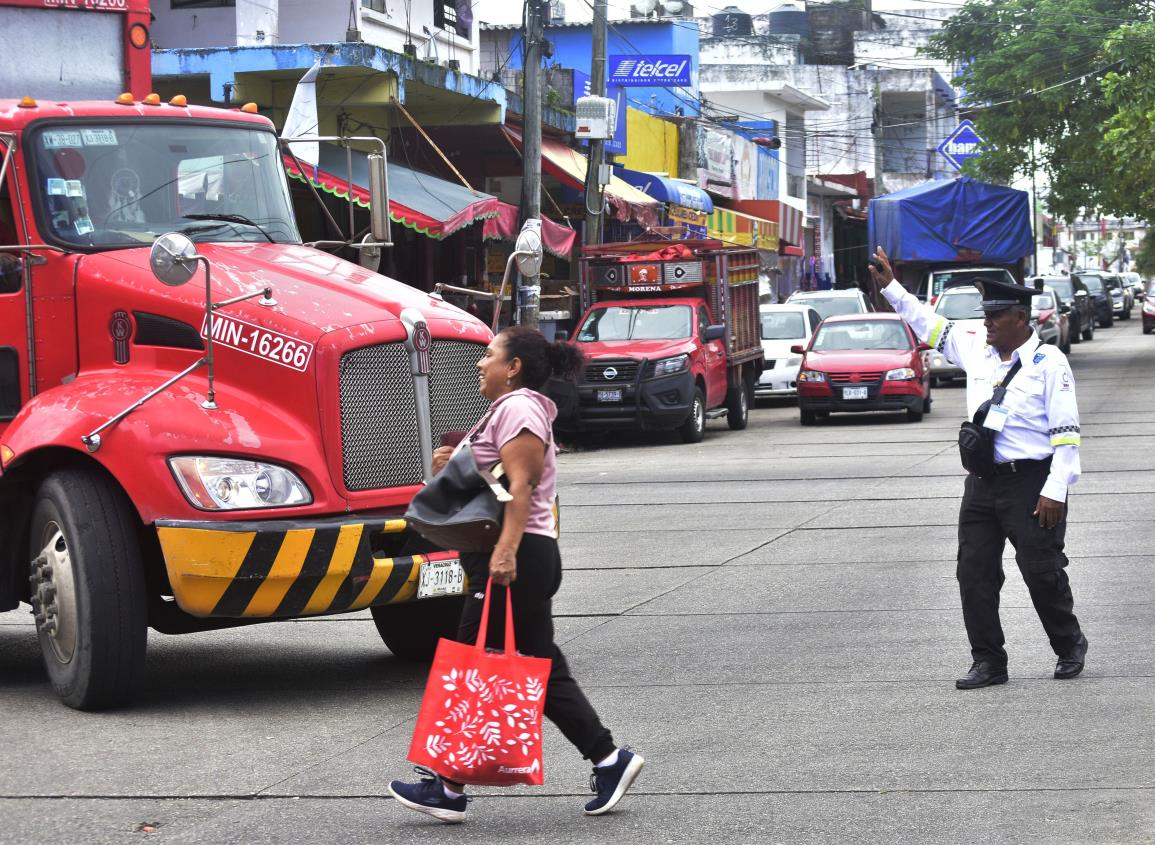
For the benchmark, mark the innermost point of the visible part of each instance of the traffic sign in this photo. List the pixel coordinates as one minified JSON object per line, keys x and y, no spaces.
{"x":961,"y":144}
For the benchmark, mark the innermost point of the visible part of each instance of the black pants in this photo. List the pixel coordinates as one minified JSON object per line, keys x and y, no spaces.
{"x":994,"y":510}
{"x":538,"y":578}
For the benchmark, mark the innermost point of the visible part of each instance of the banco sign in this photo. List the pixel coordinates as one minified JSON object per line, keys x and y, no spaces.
{"x":961,"y":144}
{"x":638,"y":71}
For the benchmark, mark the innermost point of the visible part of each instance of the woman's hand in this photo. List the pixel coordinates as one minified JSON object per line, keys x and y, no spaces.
{"x":503,"y":565}
{"x":441,"y":457}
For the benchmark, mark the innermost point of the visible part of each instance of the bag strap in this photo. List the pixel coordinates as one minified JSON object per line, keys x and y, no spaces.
{"x":510,"y":641}
{"x":1000,"y":390}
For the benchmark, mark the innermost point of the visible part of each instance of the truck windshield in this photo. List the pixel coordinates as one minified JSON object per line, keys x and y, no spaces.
{"x":942,"y":280}
{"x":961,"y":305}
{"x":637,"y":322}
{"x":124,"y":184}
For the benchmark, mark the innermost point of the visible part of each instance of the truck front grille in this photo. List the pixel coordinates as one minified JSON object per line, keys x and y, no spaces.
{"x":622,"y":371}
{"x":379,"y":438}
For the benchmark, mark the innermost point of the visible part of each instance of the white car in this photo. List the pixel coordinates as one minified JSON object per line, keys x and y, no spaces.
{"x":961,"y":305}
{"x":830,"y":302}
{"x":783,"y":326}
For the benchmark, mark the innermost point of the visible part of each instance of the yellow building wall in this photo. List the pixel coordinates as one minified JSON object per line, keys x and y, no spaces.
{"x":651,"y":144}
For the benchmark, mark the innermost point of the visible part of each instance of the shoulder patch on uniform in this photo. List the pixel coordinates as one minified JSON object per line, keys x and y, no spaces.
{"x":1064,"y":381}
{"x":1039,"y":356}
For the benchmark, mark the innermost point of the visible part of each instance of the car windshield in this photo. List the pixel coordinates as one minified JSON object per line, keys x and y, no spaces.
{"x":861,"y":334}
{"x":783,"y":325}
{"x":963,"y":305}
{"x":124,"y":184}
{"x":828,"y":306}
{"x":1151,"y":288}
{"x":635,"y":322}
{"x":1063,"y":287}
{"x":1094,"y":283}
{"x":1041,"y":302}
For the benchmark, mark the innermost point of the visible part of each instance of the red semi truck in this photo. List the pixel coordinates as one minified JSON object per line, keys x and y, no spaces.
{"x":671,"y":337}
{"x":192,"y":456}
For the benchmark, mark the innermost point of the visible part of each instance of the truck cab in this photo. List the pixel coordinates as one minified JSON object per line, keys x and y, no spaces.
{"x":670,"y":335}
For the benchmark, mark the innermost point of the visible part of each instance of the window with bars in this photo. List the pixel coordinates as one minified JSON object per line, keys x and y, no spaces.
{"x":444,"y":15}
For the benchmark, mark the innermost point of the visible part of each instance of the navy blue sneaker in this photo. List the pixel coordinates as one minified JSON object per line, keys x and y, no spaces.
{"x":429,"y":797}
{"x":611,"y":782}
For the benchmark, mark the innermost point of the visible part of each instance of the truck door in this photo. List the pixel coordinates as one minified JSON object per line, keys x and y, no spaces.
{"x":13,"y":304}
{"x":713,"y":360}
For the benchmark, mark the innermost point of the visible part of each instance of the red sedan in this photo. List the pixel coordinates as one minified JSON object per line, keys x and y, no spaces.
{"x":863,"y":362}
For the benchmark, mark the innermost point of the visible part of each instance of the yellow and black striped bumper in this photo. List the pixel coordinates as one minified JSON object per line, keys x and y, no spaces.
{"x":275,"y":570}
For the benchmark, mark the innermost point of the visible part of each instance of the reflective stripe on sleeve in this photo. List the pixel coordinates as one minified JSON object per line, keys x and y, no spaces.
{"x":1066,"y":440}
{"x":937,"y":332}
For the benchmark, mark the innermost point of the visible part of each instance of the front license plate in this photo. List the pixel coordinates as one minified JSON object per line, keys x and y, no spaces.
{"x":610,"y":395}
{"x":441,"y":578}
{"x":854,"y":393}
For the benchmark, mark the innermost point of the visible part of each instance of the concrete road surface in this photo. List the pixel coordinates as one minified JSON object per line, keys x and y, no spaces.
{"x":770,"y":617}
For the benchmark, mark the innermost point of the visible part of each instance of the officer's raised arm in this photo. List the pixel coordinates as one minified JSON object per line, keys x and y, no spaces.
{"x":930,"y":326}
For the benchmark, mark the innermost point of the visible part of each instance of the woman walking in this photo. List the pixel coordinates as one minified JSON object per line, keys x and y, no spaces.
{"x":517,"y":431}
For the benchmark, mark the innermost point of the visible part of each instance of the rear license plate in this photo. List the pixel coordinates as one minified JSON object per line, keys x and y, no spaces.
{"x":441,"y":578}
{"x":610,"y":395}
{"x":854,"y":393}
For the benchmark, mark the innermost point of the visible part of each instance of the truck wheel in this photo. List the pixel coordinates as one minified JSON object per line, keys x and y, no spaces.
{"x":738,"y":406}
{"x":694,"y":428}
{"x":807,"y":417}
{"x":411,"y":630}
{"x":88,"y":591}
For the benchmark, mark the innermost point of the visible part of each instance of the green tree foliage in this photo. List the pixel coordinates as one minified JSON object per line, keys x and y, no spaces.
{"x":1020,"y":58}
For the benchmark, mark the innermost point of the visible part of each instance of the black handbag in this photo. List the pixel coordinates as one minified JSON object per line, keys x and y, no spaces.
{"x":976,"y":442}
{"x":461,"y":507}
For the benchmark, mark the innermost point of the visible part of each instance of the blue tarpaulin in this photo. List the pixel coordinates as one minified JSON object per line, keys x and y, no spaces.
{"x":953,"y":220}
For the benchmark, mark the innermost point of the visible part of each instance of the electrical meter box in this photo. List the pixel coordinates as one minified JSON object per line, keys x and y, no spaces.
{"x":597,"y":118}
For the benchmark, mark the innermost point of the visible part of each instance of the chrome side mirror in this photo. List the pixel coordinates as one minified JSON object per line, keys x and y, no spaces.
{"x":173,"y":259}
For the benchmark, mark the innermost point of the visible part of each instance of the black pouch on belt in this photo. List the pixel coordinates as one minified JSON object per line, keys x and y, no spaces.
{"x":976,"y":442}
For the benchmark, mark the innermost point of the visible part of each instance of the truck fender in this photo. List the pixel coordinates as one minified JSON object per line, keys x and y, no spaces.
{"x":135,"y":449}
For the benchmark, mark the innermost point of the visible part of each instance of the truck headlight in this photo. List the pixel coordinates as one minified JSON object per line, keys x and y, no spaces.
{"x":669,"y":366}
{"x":901,"y":374}
{"x":227,"y":484}
{"x":811,"y":376}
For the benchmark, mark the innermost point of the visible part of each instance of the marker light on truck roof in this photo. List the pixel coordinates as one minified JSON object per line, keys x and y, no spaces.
{"x":152,"y":100}
{"x":180,"y":100}
{"x":249,"y":108}
{"x":27,"y":103}
{"x":125,"y":99}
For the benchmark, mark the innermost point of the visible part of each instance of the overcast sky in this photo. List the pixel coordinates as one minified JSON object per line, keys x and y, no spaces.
{"x":509,"y":11}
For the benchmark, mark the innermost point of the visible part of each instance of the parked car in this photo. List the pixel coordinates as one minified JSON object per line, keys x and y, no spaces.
{"x":830,"y":302}
{"x":960,"y":305}
{"x":863,"y":362}
{"x":783,"y":326}
{"x":1074,"y":294}
{"x":1122,"y":300}
{"x":1137,"y":285}
{"x":1104,"y":311}
{"x":1149,"y":308}
{"x":1050,"y":318}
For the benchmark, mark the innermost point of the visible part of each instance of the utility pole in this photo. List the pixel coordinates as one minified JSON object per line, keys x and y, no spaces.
{"x":527,"y":289}
{"x":594,"y":200}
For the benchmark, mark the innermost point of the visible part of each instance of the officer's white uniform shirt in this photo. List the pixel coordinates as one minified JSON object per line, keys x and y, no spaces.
{"x":1042,"y":416}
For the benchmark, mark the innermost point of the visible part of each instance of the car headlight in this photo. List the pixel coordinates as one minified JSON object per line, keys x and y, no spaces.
{"x":227,"y":484}
{"x":1149,"y":306}
{"x":900,"y":374}
{"x":811,"y":375}
{"x":668,"y":366}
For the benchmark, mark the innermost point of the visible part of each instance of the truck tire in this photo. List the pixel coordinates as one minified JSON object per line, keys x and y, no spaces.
{"x":88,"y":590}
{"x":411,"y":630}
{"x":807,"y":417}
{"x":694,"y":428}
{"x":738,"y":406}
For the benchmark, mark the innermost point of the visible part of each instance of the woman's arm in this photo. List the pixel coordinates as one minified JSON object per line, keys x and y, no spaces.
{"x":523,"y":458}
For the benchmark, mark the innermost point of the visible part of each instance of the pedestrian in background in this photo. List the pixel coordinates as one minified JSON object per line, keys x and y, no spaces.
{"x":1036,"y":452}
{"x":517,"y":430}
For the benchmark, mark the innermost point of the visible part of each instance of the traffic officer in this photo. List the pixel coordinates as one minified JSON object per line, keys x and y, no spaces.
{"x":1036,"y":453}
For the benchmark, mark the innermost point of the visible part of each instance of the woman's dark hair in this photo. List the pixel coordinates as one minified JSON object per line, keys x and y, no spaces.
{"x":539,"y":358}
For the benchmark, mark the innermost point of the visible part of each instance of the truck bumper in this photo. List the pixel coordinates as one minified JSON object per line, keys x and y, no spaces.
{"x":282,"y":569}
{"x":658,"y":403}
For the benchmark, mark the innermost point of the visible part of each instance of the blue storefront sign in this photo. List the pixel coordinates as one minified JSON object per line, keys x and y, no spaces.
{"x":581,"y":88}
{"x":961,"y":144}
{"x":649,"y":70}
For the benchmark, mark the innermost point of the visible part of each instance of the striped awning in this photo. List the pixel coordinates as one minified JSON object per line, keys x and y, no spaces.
{"x":740,"y":229}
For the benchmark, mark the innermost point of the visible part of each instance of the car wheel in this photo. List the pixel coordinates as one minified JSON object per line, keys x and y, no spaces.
{"x":1089,"y":332}
{"x":738,"y":406}
{"x":694,"y":428}
{"x":913,"y":415}
{"x":88,"y":592}
{"x":927,"y":402}
{"x":1148,"y":329}
{"x":807,"y":417}
{"x":1076,"y":332}
{"x":411,"y":629}
{"x":1107,"y":321}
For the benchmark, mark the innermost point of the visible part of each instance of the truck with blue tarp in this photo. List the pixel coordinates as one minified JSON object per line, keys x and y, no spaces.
{"x":941,"y":233}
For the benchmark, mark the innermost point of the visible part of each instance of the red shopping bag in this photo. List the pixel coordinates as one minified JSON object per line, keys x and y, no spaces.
{"x":480,"y":719}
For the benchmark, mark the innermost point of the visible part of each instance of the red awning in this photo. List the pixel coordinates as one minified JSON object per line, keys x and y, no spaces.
{"x":420,"y":201}
{"x":556,"y":239}
{"x":787,"y":249}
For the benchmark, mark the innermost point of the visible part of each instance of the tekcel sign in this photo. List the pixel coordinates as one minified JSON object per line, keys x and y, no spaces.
{"x":961,"y":144}
{"x":636,"y":71}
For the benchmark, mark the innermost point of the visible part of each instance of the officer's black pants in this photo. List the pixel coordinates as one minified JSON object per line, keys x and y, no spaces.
{"x":994,"y":510}
{"x":538,"y":578}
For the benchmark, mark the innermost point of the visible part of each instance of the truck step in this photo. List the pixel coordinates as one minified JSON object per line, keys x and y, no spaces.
{"x":716,"y":413}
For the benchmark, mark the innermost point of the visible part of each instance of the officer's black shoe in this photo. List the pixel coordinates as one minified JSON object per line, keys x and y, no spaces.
{"x":1069,"y":667}
{"x":982,"y":674}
